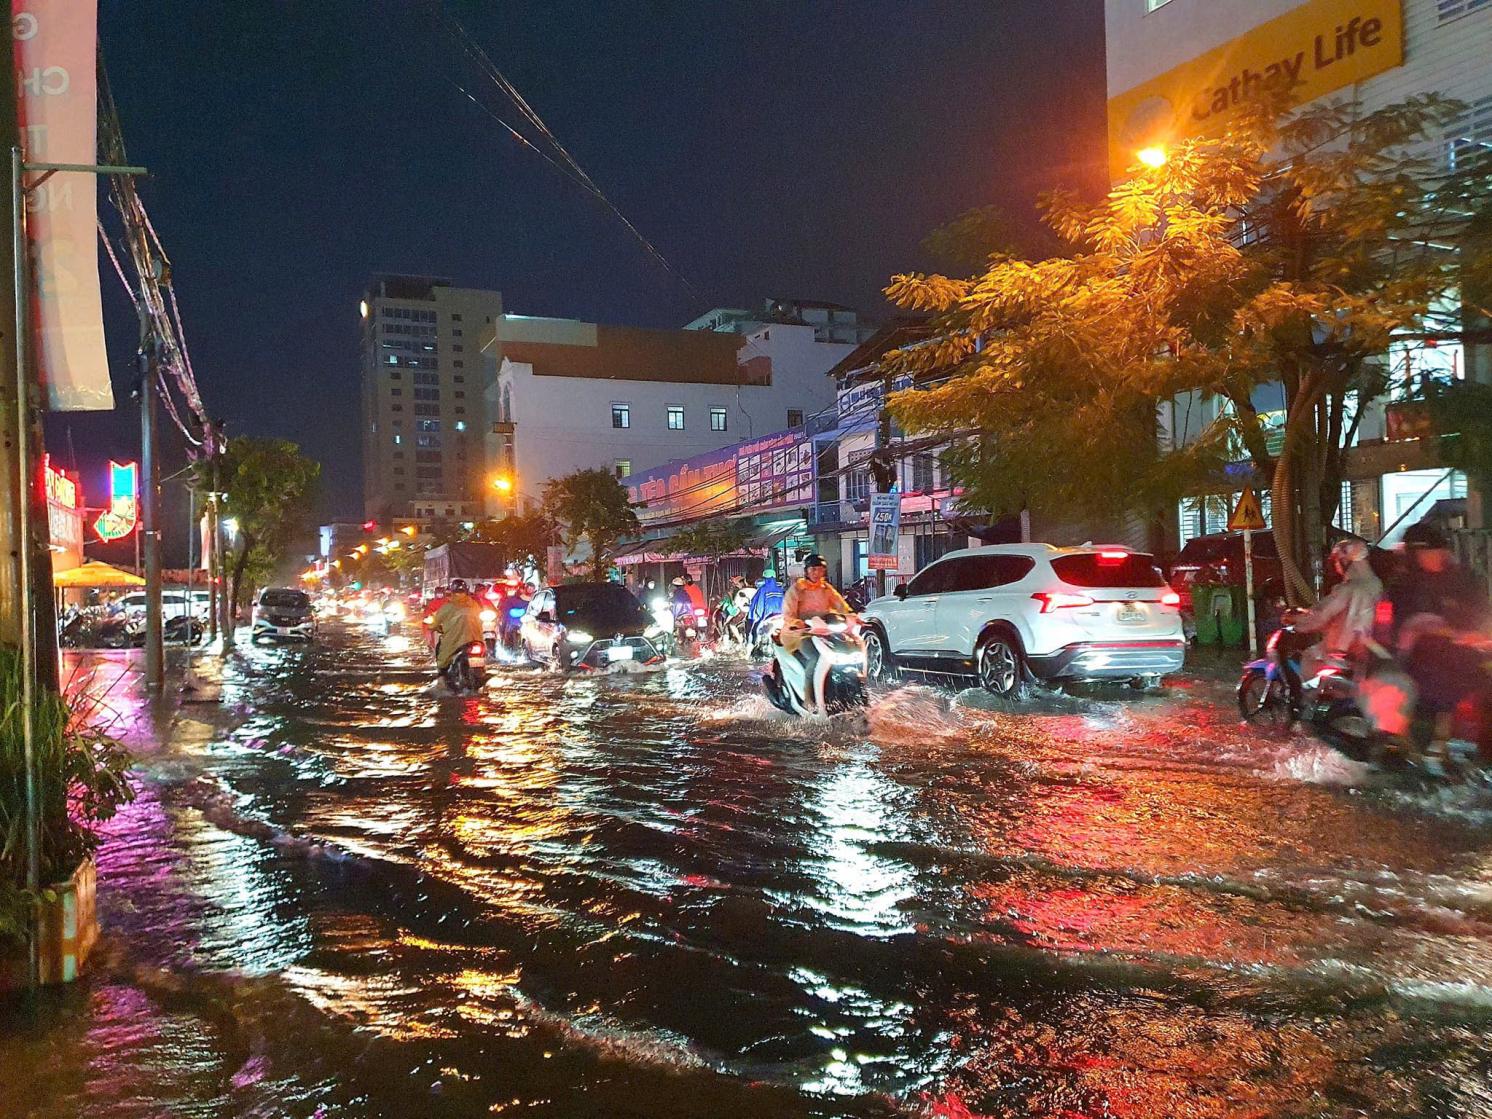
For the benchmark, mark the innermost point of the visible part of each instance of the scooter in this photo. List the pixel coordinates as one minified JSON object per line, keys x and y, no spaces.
{"x":1272,"y":693}
{"x":760,"y":638}
{"x":835,"y":683}
{"x":689,"y":632}
{"x":467,"y":672}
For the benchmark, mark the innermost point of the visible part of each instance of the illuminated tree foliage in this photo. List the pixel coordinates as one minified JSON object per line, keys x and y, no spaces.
{"x":269,"y":485}
{"x":1289,"y":250}
{"x":592,"y":506}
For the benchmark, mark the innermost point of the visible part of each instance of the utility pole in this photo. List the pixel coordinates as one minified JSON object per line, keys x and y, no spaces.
{"x":11,"y":594}
{"x":225,"y":599}
{"x":150,"y":535}
{"x":210,"y":511}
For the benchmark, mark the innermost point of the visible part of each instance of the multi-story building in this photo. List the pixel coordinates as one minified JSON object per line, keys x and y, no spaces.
{"x":1178,"y":68}
{"x":831,"y":322}
{"x":423,"y":415}
{"x":564,"y":395}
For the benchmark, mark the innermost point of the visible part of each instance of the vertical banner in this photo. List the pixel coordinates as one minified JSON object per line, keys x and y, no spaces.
{"x":885,"y":531}
{"x":56,"y":44}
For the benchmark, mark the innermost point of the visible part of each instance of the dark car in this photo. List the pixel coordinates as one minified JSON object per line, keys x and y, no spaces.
{"x":283,"y":614}
{"x":1221,"y":557}
{"x":589,"y":626}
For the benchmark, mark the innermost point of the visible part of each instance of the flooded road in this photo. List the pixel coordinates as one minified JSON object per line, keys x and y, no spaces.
{"x":347,"y":895}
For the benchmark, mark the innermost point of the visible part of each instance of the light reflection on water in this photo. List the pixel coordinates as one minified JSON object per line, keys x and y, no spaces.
{"x":652,"y":894}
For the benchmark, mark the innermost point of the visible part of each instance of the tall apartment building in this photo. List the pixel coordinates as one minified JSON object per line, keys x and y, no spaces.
{"x":1178,"y":68}
{"x":423,"y":415}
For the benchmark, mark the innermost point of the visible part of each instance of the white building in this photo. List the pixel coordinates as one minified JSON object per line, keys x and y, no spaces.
{"x":564,"y":395}
{"x":1178,"y":68}
{"x":831,"y":322}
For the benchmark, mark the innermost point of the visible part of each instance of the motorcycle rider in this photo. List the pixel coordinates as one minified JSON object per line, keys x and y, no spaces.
{"x":678,"y":599}
{"x":809,"y":597}
{"x":458,"y":623}
{"x":1344,"y":618}
{"x":766,"y":601}
{"x":1436,"y":606}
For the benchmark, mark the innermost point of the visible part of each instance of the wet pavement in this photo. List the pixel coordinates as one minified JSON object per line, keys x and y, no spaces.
{"x":343,"y":894}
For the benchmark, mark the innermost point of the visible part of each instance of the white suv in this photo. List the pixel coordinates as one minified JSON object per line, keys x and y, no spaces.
{"x":1008,"y":612}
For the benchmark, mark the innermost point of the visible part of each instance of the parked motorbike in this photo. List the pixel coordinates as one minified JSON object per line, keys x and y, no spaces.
{"x":467,"y":672}
{"x":834,"y":684}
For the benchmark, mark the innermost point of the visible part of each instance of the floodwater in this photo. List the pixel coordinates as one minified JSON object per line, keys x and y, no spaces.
{"x":344,"y":894}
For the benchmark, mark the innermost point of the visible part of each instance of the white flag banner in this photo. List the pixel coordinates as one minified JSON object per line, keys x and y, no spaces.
{"x":56,"y":44}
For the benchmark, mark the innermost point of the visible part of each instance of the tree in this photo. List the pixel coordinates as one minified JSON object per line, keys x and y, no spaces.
{"x":1291,"y":250}
{"x":524,"y":538}
{"x":268,"y":485}
{"x":711,"y":540}
{"x":591,"y":505}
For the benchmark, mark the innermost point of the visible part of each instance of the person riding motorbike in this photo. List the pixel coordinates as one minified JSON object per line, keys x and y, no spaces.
{"x":1436,"y":608}
{"x":766,"y":601}
{"x":459,"y":624}
{"x":678,"y":599}
{"x":810,"y":597}
{"x":1344,"y":618}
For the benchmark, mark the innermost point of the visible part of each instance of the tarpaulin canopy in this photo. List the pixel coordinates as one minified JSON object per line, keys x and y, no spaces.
{"x":96,"y":574}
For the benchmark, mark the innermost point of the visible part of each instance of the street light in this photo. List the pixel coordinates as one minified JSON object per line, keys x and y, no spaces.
{"x":230,"y":526}
{"x":502,"y":484}
{"x":1152,"y":157}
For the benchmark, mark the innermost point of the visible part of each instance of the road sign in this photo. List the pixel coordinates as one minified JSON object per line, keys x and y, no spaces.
{"x":1247,"y":514}
{"x":885,"y":531}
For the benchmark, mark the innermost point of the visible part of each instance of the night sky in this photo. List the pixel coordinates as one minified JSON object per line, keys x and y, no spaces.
{"x":767,"y":149}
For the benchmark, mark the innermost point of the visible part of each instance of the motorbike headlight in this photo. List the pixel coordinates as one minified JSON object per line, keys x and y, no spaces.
{"x":395,"y":611}
{"x":578,"y":636}
{"x":489,"y":615}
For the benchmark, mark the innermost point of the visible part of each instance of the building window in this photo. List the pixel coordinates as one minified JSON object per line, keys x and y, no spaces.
{"x":459,"y":379}
{"x":621,"y":414}
{"x":717,"y":419}
{"x":396,"y":392}
{"x":857,"y":486}
{"x":427,"y":425}
{"x":1152,"y":5}
{"x":455,"y":318}
{"x":398,"y":439}
{"x":675,"y":417}
{"x":795,"y":417}
{"x":460,"y":425}
{"x":922,"y":474}
{"x":1454,"y":9}
{"x":456,"y":333}
{"x":398,"y":408}
{"x":456,"y":347}
{"x":623,"y":467}
{"x":459,"y":364}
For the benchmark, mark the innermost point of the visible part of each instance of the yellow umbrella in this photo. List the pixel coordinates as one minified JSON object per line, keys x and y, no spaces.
{"x":96,"y":574}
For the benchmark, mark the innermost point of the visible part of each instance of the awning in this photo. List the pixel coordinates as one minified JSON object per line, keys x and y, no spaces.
{"x":96,"y":574}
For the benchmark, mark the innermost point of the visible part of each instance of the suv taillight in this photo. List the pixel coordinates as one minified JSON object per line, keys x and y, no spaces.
{"x":1060,"y":600}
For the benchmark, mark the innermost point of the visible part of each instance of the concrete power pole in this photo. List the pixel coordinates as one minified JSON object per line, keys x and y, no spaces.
{"x":11,"y":596}
{"x":150,"y":532}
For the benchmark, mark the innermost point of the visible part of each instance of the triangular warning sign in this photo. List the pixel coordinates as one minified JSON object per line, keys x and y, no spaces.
{"x":1246,"y":514}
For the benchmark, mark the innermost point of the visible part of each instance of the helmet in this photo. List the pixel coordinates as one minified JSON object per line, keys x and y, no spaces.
{"x":458,"y":586}
{"x":1347,"y":552}
{"x":1424,"y":535}
{"x":769,"y":574}
{"x":815,"y":560}
{"x":678,"y":581}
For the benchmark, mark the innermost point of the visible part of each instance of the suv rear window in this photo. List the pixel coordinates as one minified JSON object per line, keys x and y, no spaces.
{"x":285,"y":600}
{"x":1093,"y":569}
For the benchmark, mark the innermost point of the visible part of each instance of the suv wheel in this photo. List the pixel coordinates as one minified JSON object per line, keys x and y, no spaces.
{"x":879,"y":663}
{"x":1001,"y":668}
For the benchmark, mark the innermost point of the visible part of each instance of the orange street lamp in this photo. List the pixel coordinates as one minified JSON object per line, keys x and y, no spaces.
{"x":502,"y":484}
{"x":410,"y":530}
{"x":1152,"y":157}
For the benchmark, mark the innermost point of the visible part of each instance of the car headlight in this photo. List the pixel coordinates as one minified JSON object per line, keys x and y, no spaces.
{"x":578,"y":636}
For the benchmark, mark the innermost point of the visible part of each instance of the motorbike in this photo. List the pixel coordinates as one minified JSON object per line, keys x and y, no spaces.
{"x":127,"y":631}
{"x":759,"y":639}
{"x":690,"y":629}
{"x":834,"y":684}
{"x":1272,"y":693}
{"x":467,"y":672}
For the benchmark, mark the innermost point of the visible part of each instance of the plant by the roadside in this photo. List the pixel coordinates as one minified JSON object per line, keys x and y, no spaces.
{"x":82,"y":779}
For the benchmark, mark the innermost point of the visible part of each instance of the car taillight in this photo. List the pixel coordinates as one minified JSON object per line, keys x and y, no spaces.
{"x":1114,"y":555}
{"x":1058,"y":600}
{"x":1170,"y":598}
{"x":476,"y":648}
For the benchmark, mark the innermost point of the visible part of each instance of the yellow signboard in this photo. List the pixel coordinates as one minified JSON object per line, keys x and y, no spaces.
{"x":1247,"y":514}
{"x":1312,"y":50}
